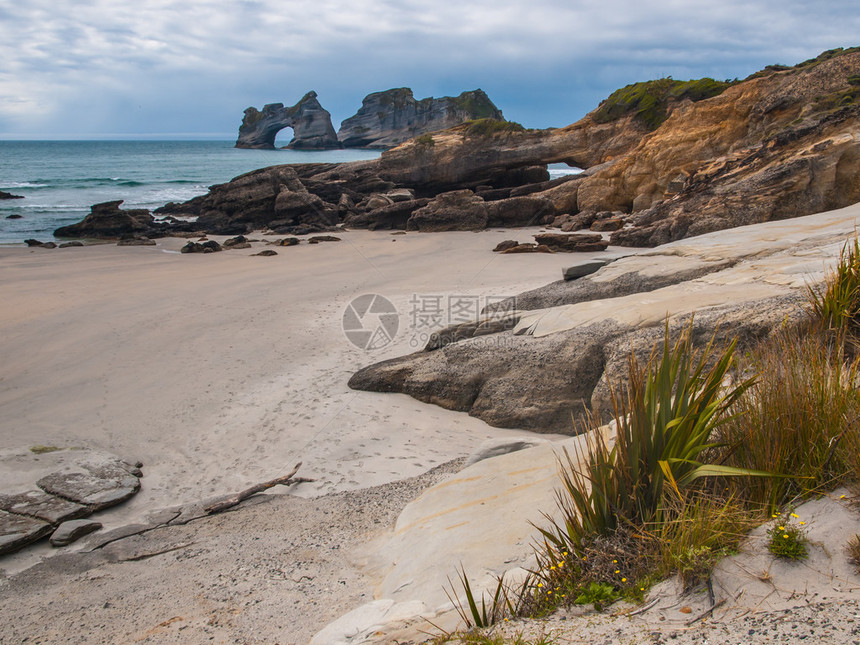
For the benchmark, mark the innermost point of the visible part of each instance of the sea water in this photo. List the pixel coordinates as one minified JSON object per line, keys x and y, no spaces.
{"x":60,"y":180}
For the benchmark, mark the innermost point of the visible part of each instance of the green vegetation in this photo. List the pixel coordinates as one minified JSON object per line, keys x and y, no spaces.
{"x":708,"y":445}
{"x":649,"y":101}
{"x":807,"y":64}
{"x":476,"y":104}
{"x":787,"y":541}
{"x":425,"y":140}
{"x":41,"y":450}
{"x":490,"y":127}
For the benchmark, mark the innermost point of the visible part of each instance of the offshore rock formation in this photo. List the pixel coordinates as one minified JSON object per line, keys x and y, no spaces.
{"x":662,"y":160}
{"x":389,"y":118}
{"x":310,"y":122}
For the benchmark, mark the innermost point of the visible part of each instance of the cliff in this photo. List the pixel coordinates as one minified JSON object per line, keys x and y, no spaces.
{"x":389,"y":118}
{"x":310,"y":122}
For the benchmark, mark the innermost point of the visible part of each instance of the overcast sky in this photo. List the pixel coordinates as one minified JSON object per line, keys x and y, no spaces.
{"x":190,"y":67}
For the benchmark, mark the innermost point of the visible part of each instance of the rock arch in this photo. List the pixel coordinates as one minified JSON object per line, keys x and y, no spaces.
{"x":311,"y":124}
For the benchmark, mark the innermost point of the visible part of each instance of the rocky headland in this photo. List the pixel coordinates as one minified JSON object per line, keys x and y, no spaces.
{"x":389,"y":118}
{"x":661,"y":161}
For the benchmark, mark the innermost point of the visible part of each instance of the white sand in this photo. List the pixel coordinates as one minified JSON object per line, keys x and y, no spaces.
{"x":222,"y":370}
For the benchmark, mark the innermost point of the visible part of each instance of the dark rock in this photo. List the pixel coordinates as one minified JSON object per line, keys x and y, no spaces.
{"x":234,"y":241}
{"x":69,"y":532}
{"x":210,"y":246}
{"x":377,"y":201}
{"x":17,"y":531}
{"x":266,"y":253}
{"x":310,"y":122}
{"x":529,"y":248}
{"x":394,"y":216}
{"x":34,"y":242}
{"x":136,"y":241}
{"x":14,"y":216}
{"x":607,"y":225}
{"x":401,"y":195}
{"x":39,"y":504}
{"x":323,"y":238}
{"x":388,"y":118}
{"x":572,"y":242}
{"x":66,"y":245}
{"x":460,"y":210}
{"x":530,"y":210}
{"x":108,"y":221}
{"x":504,"y":246}
{"x":584,"y":269}
{"x":10,"y":196}
{"x":287,"y":241}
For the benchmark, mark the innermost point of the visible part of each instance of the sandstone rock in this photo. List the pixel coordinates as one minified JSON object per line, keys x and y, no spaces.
{"x":388,"y":118}
{"x":17,"y":531}
{"x":459,"y":210}
{"x":394,"y":216}
{"x":108,"y":221}
{"x":401,"y":195}
{"x":266,"y":253}
{"x":529,"y":248}
{"x":37,"y":503}
{"x":98,"y":484}
{"x":310,"y":122}
{"x":236,"y":242}
{"x":377,"y":201}
{"x":73,"y":530}
{"x":66,"y":245}
{"x":607,"y":225}
{"x":37,"y":243}
{"x":572,"y":242}
{"x":490,"y":448}
{"x":583,"y":269}
{"x":10,"y":196}
{"x":323,"y":238}
{"x":504,"y":246}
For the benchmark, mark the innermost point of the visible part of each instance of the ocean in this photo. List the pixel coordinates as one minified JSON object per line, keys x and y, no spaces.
{"x":60,"y":180}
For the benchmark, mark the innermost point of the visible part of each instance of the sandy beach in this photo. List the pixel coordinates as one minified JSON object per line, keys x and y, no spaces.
{"x":222,"y":370}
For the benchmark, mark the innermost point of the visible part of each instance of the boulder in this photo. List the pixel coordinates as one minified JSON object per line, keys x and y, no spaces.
{"x":36,"y":243}
{"x":459,"y":210}
{"x":14,"y":216}
{"x":287,"y":241}
{"x":41,"y":505}
{"x":504,"y":246}
{"x":572,"y":242}
{"x":210,"y":246}
{"x":108,"y":221}
{"x":73,"y":530}
{"x":316,"y":239}
{"x":529,"y":248}
{"x":310,"y":122}
{"x":17,"y":531}
{"x":607,"y":225}
{"x":377,"y":201}
{"x":66,"y":245}
{"x":266,"y":253}
{"x":394,"y":216}
{"x":389,"y":118}
{"x":583,"y":269}
{"x":97,"y":485}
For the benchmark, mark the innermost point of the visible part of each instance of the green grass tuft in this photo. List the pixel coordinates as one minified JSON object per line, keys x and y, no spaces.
{"x":490,"y":127}
{"x":787,"y":542}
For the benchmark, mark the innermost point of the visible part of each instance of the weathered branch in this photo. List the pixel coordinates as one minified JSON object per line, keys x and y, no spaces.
{"x":229,"y":502}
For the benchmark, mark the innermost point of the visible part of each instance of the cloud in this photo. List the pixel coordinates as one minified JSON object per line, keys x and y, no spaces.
{"x":100,"y":66}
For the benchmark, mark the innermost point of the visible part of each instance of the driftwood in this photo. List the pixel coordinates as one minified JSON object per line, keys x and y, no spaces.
{"x":230,"y":502}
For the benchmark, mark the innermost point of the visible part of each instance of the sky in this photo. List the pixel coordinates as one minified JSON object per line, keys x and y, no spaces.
{"x":188,"y":68}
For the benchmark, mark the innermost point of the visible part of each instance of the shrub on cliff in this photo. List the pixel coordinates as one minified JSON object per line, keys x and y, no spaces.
{"x":490,"y":127}
{"x":649,"y":101}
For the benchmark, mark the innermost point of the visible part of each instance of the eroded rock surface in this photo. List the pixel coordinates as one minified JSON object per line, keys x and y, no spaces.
{"x":570,"y":337}
{"x":311,"y":124}
{"x":389,"y":118}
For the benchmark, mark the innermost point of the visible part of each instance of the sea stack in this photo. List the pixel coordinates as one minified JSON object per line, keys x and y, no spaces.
{"x":311,"y":124}
{"x":389,"y":118}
